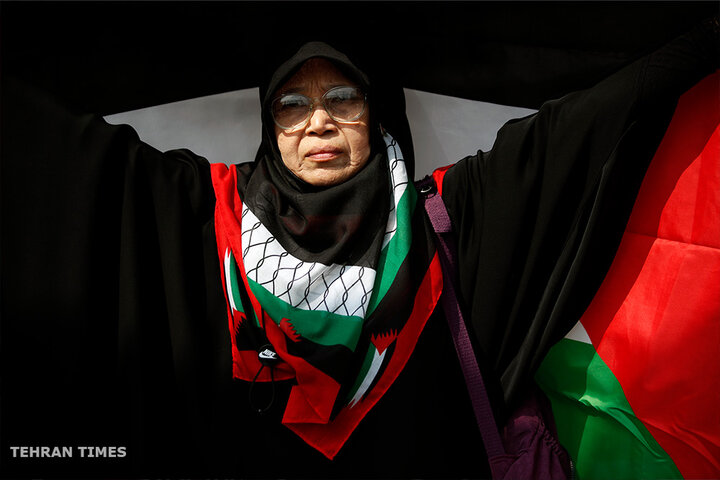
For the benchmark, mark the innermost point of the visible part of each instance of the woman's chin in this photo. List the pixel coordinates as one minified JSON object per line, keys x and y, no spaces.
{"x":326,"y":175}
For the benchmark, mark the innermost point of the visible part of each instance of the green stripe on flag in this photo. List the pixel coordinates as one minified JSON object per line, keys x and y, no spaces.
{"x":363,"y":372}
{"x":394,"y":253}
{"x":234,"y":290}
{"x":321,"y":327}
{"x":594,"y":419}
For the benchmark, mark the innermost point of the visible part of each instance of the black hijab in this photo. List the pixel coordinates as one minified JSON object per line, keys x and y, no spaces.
{"x":338,"y":224}
{"x":386,"y":97}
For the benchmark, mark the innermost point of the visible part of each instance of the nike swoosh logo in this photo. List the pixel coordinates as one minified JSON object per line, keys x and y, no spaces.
{"x":268,"y":354}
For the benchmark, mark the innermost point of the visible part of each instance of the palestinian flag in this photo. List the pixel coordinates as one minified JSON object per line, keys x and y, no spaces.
{"x":635,"y":386}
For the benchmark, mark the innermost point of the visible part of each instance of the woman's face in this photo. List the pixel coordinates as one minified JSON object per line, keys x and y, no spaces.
{"x":324,"y":152}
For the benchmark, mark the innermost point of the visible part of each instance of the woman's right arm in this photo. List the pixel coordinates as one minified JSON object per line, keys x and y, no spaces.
{"x":109,"y":277}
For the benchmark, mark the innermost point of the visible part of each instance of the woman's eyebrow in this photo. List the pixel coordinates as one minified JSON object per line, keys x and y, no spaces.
{"x":296,"y":89}
{"x":325,"y":86}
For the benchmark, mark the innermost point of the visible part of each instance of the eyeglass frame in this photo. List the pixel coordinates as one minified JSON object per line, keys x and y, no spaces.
{"x":316,"y":101}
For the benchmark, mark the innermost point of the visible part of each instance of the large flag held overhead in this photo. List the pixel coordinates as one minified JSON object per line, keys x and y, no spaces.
{"x":635,"y":386}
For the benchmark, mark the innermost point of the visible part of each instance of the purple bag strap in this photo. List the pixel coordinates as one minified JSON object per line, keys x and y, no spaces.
{"x":445,"y":241}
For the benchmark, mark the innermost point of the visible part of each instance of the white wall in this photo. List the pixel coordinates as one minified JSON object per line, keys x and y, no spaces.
{"x":225,"y":128}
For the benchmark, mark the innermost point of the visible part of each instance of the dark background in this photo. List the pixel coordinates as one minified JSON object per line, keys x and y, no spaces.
{"x":112,"y":57}
{"x":108,"y":57}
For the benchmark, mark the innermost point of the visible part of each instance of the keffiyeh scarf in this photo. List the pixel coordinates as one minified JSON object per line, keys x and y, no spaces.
{"x":342,"y":331}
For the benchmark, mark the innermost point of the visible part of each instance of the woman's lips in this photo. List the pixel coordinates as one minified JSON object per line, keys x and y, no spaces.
{"x":324,"y":154}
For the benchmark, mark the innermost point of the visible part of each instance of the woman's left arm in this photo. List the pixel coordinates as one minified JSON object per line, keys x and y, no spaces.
{"x":539,"y":217}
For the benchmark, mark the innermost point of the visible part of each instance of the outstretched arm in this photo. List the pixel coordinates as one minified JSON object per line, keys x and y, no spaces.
{"x":108,"y":270}
{"x":539,"y":216}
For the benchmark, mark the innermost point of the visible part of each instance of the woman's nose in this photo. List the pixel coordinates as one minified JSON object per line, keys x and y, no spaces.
{"x":320,"y":122}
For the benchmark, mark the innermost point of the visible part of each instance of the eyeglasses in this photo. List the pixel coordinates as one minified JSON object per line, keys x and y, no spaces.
{"x":342,"y":104}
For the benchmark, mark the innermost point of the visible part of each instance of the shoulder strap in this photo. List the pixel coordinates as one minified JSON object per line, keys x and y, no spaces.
{"x":445,"y":241}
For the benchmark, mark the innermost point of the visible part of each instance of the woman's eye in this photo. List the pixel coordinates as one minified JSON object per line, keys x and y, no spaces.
{"x":293,"y":102}
{"x":347,"y":94}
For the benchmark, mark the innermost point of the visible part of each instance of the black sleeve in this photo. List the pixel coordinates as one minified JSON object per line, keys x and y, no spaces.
{"x":112,"y":307}
{"x":539,"y":217}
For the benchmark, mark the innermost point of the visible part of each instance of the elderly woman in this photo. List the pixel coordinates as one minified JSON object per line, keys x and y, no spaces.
{"x":280,"y":317}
